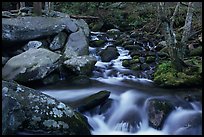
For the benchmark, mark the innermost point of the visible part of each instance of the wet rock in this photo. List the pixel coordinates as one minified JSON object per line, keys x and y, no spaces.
{"x":114,"y":33}
{"x":150,"y":59}
{"x":158,"y":110}
{"x":133,"y":47}
{"x":58,"y":41}
{"x":31,"y":65}
{"x":109,"y":54}
{"x":126,"y":63}
{"x":29,"y":28}
{"x":27,"y":109}
{"x":91,"y":101}
{"x":97,"y":43}
{"x":77,"y":45}
{"x":144,"y":66}
{"x":142,"y":59}
{"x":82,"y":65}
{"x":135,"y":67}
{"x":50,"y":79}
{"x":32,"y":44}
{"x":81,"y":80}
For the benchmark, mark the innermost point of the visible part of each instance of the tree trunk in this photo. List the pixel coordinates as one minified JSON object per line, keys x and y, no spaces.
{"x":170,"y":36}
{"x":46,"y":6}
{"x":22,"y":4}
{"x":37,"y":8}
{"x":187,"y":26}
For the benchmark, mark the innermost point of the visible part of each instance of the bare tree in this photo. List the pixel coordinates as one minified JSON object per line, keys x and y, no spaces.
{"x":49,"y":6}
{"x":176,"y":49}
{"x":22,"y":4}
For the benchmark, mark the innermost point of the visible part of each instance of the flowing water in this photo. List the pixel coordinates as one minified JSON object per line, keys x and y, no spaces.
{"x":127,"y":114}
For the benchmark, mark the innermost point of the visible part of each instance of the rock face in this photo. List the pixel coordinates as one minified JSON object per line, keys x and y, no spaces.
{"x":26,"y":109}
{"x":158,"y":110}
{"x":31,"y":65}
{"x":81,"y":64}
{"x":29,"y":28}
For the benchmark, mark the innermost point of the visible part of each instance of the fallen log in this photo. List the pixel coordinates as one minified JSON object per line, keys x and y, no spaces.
{"x":83,"y":17}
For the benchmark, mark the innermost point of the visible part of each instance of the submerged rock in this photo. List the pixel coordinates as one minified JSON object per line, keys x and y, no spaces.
{"x":91,"y":101}
{"x":27,"y":109}
{"x":31,"y":65}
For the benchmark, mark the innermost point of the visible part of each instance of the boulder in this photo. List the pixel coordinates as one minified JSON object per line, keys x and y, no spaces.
{"x":26,"y":109}
{"x":158,"y":110}
{"x":82,"y":65}
{"x":58,"y":41}
{"x":77,"y":45}
{"x":32,"y":44}
{"x":83,"y":25}
{"x":109,"y":54}
{"x":29,"y":28}
{"x":31,"y":65}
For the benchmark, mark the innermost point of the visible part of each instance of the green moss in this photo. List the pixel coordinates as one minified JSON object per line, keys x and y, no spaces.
{"x":150,"y":59}
{"x":166,"y":76}
{"x":133,"y":61}
{"x":135,"y":67}
{"x":126,"y":63}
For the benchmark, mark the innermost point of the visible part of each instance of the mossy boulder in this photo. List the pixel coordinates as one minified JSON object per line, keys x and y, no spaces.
{"x":126,"y":63}
{"x":135,"y":67}
{"x":97,"y":43}
{"x":25,"y":109}
{"x":158,"y":110}
{"x":150,"y":59}
{"x":166,"y":76}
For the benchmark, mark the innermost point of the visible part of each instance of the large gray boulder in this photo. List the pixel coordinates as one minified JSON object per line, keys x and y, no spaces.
{"x":29,"y":28}
{"x":77,"y":44}
{"x":31,"y":65}
{"x":24,"y":108}
{"x":83,"y":25}
{"x":82,"y":65}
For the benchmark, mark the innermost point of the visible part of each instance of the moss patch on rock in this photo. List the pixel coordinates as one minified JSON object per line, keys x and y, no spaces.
{"x":166,"y":76}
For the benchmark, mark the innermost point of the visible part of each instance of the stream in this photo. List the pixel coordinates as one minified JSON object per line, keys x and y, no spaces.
{"x":127,"y":112}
